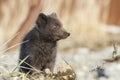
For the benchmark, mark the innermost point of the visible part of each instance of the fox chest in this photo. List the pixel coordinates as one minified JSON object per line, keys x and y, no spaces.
{"x":44,"y":54}
{"x":44,"y":51}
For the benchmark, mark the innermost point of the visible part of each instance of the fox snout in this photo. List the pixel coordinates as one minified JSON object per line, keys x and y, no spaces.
{"x":66,"y":34}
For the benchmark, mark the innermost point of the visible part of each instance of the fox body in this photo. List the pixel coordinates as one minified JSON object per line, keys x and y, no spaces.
{"x":41,"y":47}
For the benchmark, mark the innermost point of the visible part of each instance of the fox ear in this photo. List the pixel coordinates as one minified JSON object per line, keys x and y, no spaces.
{"x":54,"y":14}
{"x":42,"y":19}
{"x":42,"y":16}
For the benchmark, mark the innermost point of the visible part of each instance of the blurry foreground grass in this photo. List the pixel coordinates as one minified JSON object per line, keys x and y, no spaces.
{"x":64,"y":74}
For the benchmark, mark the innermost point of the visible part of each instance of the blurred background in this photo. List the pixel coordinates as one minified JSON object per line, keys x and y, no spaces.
{"x":94,"y":26}
{"x":92,"y":23}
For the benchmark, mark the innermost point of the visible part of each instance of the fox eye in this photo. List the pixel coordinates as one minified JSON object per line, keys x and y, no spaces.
{"x":54,"y":26}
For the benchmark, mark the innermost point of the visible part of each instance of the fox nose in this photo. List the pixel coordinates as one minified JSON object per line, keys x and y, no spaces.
{"x":68,"y":34}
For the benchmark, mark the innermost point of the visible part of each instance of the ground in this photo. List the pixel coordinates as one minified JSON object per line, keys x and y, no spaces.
{"x":83,"y":61}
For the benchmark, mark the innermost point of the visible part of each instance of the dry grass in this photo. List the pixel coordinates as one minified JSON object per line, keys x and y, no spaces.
{"x":67,"y":74}
{"x":64,"y":72}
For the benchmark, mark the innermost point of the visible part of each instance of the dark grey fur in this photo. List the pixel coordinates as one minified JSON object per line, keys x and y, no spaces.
{"x":42,"y":44}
